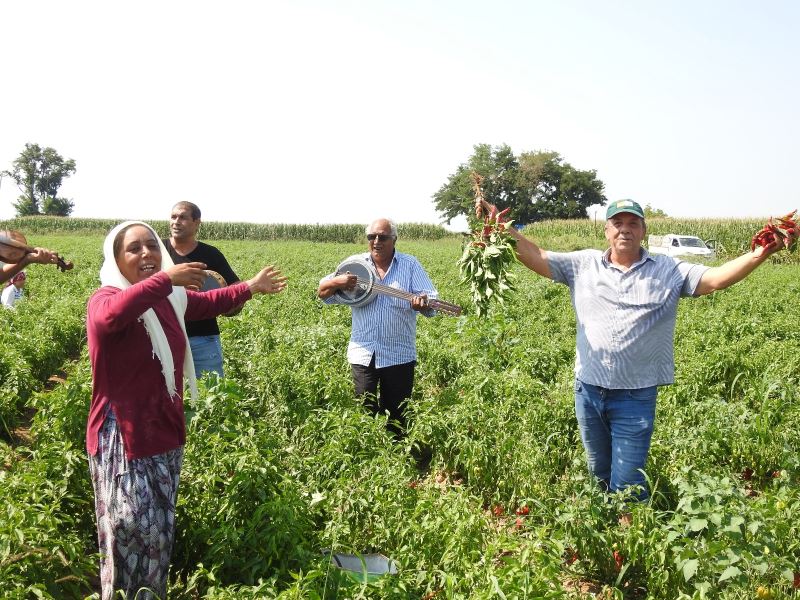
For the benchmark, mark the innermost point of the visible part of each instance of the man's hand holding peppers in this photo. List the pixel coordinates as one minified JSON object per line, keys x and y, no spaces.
{"x":776,"y":235}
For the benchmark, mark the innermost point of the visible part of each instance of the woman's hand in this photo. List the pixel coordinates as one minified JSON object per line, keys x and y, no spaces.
{"x":189,"y":275}
{"x":268,"y":281}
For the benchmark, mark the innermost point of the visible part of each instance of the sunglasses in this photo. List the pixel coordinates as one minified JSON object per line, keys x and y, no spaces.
{"x":381,"y":237}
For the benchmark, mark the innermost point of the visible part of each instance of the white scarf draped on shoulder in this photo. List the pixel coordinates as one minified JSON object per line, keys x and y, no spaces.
{"x":110,"y":275}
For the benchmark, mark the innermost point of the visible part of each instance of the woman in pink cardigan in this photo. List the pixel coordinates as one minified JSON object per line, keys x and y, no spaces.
{"x":136,"y":428}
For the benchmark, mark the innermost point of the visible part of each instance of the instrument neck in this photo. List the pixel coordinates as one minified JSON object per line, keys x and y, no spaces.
{"x":436,"y":304}
{"x":390,"y":291}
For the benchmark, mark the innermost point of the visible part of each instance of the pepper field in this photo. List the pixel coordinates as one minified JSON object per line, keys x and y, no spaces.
{"x":283,"y":464}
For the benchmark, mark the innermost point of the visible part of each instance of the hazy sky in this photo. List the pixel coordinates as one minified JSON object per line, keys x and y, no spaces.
{"x":309,"y":111}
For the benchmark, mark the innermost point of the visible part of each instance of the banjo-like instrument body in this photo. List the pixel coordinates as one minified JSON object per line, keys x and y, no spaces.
{"x":368,"y":287}
{"x":214,"y":281}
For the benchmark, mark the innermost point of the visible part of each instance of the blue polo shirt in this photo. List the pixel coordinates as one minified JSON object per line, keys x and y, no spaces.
{"x":625,"y":319}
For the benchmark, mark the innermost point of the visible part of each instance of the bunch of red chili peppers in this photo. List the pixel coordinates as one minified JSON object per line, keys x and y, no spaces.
{"x":491,"y":221}
{"x":778,"y":229}
{"x":489,"y":256}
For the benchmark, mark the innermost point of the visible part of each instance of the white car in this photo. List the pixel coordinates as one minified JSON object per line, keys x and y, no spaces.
{"x":673,"y":244}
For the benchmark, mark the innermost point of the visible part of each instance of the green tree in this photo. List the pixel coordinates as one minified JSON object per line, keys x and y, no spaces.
{"x":499,"y":168}
{"x":39,"y":172}
{"x":650,"y":212}
{"x":536,"y":186}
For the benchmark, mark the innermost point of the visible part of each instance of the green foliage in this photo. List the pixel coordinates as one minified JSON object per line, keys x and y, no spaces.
{"x":240,"y":510}
{"x":282,"y":464}
{"x":46,"y":531}
{"x":58,"y":207}
{"x":39,"y":172}
{"x":553,"y":189}
{"x":535,"y":186}
{"x":486,"y":264}
{"x":497,"y":166}
{"x":654,"y":213}
{"x":26,"y":206}
{"x":45,"y":542}
{"x":39,"y":334}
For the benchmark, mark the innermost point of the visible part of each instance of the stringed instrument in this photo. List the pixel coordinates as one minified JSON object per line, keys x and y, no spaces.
{"x":214,"y":281}
{"x":367,"y":288}
{"x":14,"y":247}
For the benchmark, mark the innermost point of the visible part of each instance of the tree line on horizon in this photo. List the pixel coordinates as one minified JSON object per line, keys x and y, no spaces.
{"x":535,"y":186}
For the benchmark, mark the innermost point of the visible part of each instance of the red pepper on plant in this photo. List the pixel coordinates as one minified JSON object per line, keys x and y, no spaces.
{"x":619,"y":560}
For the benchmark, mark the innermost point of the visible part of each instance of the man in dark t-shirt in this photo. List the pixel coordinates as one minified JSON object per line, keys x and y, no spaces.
{"x":183,"y":247}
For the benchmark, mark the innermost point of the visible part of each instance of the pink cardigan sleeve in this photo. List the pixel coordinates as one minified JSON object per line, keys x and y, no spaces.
{"x":206,"y":305}
{"x":112,"y":309}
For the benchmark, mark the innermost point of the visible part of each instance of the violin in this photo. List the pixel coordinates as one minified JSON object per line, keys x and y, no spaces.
{"x":14,"y":247}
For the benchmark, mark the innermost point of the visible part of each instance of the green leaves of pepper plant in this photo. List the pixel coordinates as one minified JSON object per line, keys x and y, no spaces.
{"x":486,"y":263}
{"x":282,"y":462}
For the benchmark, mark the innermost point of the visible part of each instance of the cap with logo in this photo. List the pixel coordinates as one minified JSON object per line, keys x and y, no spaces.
{"x":621,"y":206}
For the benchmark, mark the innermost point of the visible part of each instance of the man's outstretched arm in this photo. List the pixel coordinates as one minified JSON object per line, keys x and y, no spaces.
{"x":733,"y":271}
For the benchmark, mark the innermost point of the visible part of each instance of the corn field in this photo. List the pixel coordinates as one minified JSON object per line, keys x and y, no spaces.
{"x":215,"y":230}
{"x":731,"y":237}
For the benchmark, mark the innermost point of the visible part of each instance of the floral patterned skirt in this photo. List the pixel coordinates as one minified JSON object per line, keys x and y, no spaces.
{"x":135,"y":509}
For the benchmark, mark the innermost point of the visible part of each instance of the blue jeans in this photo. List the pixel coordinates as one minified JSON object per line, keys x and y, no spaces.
{"x":207,"y":354}
{"x":616,"y":427}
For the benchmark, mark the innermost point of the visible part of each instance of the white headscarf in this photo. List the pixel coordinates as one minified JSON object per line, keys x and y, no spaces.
{"x":110,"y":275}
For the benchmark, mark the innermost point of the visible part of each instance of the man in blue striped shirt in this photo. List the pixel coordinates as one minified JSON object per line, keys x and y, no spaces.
{"x":383,"y":342}
{"x":626,"y":302}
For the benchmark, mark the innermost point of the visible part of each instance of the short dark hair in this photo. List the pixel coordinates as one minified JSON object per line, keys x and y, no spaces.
{"x":193,"y":208}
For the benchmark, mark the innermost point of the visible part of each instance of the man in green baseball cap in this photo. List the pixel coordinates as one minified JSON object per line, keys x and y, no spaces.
{"x":626,"y":303}
{"x":625,"y":231}
{"x":624,"y":206}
